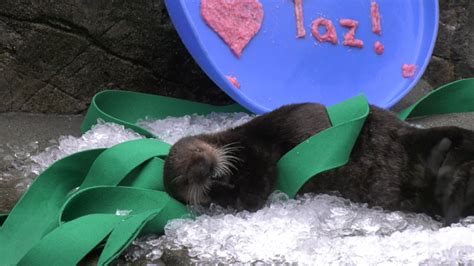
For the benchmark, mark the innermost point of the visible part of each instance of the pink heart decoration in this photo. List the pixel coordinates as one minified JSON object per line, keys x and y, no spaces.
{"x":235,"y":21}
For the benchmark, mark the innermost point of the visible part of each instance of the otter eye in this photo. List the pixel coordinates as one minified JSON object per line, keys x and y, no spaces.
{"x":197,"y":150}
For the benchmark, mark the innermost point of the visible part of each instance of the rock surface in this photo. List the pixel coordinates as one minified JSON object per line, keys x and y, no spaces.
{"x":55,"y":55}
{"x":453,"y":57}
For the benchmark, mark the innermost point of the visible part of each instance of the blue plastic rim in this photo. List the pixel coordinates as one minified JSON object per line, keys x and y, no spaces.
{"x":276,"y":68}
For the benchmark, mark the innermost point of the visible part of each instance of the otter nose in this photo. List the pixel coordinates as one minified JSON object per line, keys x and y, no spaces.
{"x":202,"y":174}
{"x":201,"y":171}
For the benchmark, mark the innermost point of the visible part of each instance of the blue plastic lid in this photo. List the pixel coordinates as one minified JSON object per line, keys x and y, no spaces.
{"x":276,"y":68}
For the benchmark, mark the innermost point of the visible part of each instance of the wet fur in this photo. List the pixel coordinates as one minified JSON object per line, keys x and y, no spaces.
{"x":393,"y":165}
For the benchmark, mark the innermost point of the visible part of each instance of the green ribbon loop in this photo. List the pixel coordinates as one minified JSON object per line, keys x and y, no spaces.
{"x":114,"y":164}
{"x":52,"y":199}
{"x":455,"y":97}
{"x":109,"y":106}
{"x":145,"y":176}
{"x":145,"y":211}
{"x":55,"y":224}
{"x":131,"y":201}
{"x":326,"y":150}
{"x":69,"y":243}
{"x":37,"y":212}
{"x":123,"y":234}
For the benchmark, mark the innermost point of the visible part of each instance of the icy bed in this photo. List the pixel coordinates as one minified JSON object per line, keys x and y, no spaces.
{"x":313,"y":229}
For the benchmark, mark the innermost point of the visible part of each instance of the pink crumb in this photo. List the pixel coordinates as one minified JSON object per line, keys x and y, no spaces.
{"x":375,"y":12}
{"x":234,"y":81}
{"x":236,"y":22}
{"x":299,"y":19}
{"x":349,"y":38}
{"x":329,"y":36}
{"x":409,"y":70}
{"x":379,"y":48}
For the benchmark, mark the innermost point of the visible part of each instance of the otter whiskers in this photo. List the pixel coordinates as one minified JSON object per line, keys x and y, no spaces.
{"x":226,"y":160}
{"x":198,"y":194}
{"x":177,"y":179}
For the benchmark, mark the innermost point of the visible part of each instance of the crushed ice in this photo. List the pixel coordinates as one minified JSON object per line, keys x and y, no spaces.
{"x":102,"y":135}
{"x":172,"y":129}
{"x":320,"y":230}
{"x":313,"y":229}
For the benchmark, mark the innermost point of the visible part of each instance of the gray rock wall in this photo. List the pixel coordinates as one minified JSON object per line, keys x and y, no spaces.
{"x":453,"y":57}
{"x":56,"y":54}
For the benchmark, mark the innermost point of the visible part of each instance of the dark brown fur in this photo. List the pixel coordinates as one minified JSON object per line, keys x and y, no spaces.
{"x":393,"y":165}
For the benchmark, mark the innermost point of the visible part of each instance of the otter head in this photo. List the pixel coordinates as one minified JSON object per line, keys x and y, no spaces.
{"x":194,"y":166}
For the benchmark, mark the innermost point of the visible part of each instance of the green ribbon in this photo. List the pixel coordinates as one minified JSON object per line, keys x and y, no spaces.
{"x":53,"y":212}
{"x":37,"y":212}
{"x":113,"y":195}
{"x":111,"y":106}
{"x":455,"y":97}
{"x":327,"y":150}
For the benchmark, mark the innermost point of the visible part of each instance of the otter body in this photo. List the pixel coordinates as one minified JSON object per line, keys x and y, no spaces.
{"x":392,"y":165}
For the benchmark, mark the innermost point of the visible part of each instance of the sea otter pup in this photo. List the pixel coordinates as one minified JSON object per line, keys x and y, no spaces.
{"x":392,"y":165}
